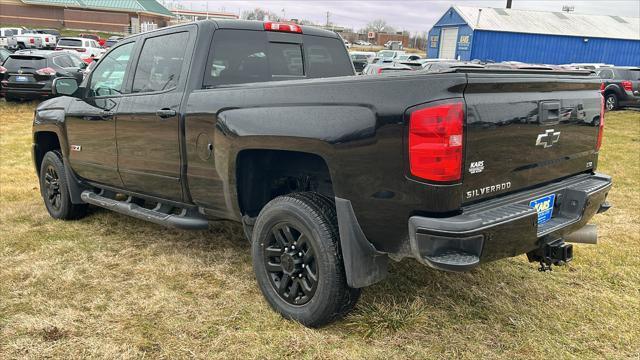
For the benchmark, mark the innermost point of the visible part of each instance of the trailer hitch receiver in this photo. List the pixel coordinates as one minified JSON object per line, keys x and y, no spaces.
{"x":554,"y":253}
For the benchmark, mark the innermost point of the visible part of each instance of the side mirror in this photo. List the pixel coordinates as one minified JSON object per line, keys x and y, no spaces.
{"x":64,"y":86}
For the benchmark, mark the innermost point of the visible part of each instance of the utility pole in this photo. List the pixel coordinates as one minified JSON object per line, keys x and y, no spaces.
{"x":327,"y":19}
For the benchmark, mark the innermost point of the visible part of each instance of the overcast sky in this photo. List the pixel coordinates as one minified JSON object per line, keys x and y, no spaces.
{"x":411,"y":15}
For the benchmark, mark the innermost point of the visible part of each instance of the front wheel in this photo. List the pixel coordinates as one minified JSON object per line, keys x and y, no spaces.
{"x":611,"y":102}
{"x":297,"y":260}
{"x":54,"y":189}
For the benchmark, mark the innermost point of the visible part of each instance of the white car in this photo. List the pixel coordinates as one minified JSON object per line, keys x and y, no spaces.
{"x":363,"y":43}
{"x":347,"y":44}
{"x":408,"y":57}
{"x":48,"y":41}
{"x":86,"y":48}
{"x":6,"y":33}
{"x":26,"y":39}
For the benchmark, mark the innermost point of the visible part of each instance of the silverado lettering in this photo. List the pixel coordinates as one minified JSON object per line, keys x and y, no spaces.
{"x":488,"y":189}
{"x":330,"y":174}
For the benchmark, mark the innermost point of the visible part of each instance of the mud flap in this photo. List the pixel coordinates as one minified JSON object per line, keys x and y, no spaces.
{"x":363,"y":264}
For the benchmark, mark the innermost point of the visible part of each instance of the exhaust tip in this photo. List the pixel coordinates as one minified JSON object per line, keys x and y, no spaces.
{"x":588,"y":234}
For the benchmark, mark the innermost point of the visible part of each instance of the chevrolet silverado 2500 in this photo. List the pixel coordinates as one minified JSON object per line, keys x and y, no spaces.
{"x":331,"y":175}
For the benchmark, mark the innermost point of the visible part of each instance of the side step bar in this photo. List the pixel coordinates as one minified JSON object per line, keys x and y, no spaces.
{"x":189,"y":218}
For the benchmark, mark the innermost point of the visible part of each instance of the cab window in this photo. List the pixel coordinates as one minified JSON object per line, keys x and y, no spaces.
{"x":108,"y":77}
{"x":160,"y":62}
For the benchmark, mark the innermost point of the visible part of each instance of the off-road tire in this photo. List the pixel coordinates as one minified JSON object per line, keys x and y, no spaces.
{"x":59,"y":205}
{"x":315,"y":217}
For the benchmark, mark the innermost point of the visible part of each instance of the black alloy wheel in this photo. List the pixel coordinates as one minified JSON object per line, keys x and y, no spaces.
{"x":51,"y":189}
{"x":54,"y":189}
{"x":289,"y":259}
{"x":297,"y":259}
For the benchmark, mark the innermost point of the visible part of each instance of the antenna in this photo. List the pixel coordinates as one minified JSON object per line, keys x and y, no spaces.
{"x":568,"y":8}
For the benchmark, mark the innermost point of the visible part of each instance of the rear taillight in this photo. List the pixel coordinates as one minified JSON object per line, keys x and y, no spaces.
{"x":380,"y":71}
{"x":81,"y":50}
{"x":627,"y":85}
{"x":435,"y":142}
{"x":602,"y":86}
{"x":32,"y":40}
{"x":46,"y":39}
{"x":283,"y":27}
{"x":601,"y":125}
{"x":3,"y":70}
{"x":46,"y":71}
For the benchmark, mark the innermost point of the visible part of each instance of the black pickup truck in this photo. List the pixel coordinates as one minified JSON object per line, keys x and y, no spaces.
{"x":330,"y":174}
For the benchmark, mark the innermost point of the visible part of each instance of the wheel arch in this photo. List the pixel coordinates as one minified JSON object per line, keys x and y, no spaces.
{"x":43,"y":142}
{"x":264,"y":174}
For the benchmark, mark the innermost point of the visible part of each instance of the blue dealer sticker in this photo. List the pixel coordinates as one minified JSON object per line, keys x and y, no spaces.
{"x":544,"y":207}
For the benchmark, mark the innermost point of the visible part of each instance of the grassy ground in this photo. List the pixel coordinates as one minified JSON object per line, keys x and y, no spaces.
{"x":109,"y":286}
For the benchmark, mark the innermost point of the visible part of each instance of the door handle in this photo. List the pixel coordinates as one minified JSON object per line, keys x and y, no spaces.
{"x":166,"y":113}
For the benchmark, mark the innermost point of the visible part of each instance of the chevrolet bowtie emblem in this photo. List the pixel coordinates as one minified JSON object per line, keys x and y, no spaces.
{"x":547,"y":139}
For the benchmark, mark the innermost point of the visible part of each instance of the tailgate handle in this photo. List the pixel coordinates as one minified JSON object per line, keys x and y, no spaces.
{"x":549,"y":111}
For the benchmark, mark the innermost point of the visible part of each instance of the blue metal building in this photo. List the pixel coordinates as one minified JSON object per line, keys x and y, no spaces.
{"x":493,"y":34}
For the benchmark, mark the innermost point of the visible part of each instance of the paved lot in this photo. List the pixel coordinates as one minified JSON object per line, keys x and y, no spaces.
{"x":109,"y":286}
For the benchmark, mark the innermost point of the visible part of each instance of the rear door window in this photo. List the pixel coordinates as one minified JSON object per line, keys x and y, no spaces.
{"x":63,"y":61}
{"x":160,"y":62}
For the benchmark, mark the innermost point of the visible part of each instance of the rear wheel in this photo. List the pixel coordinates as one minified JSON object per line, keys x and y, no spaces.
{"x":54,"y":189}
{"x":297,"y":260}
{"x":611,"y":102}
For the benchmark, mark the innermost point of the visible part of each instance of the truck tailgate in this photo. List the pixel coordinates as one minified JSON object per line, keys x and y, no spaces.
{"x":525,"y":130}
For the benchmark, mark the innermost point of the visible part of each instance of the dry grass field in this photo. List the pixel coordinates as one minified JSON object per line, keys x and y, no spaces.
{"x":109,"y":286}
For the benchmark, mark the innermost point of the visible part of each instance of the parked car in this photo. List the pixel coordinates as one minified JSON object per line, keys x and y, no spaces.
{"x":26,"y":40}
{"x":48,"y":41}
{"x":361,"y":59}
{"x":100,"y":41}
{"x":363,"y":43}
{"x":384,"y":68}
{"x":587,"y":66}
{"x":4,"y":54}
{"x":6,"y":33}
{"x":393,"y":45}
{"x":447,"y":66}
{"x":347,"y":44}
{"x":331,"y":175}
{"x":620,"y":86}
{"x":28,"y":74}
{"x":408,"y":57}
{"x":88,"y":49}
{"x":111,"y":41}
{"x":53,"y":32}
{"x":387,"y":55}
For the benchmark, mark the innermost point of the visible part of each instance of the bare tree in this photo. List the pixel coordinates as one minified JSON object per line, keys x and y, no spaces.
{"x":260,"y":15}
{"x":379,"y":25}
